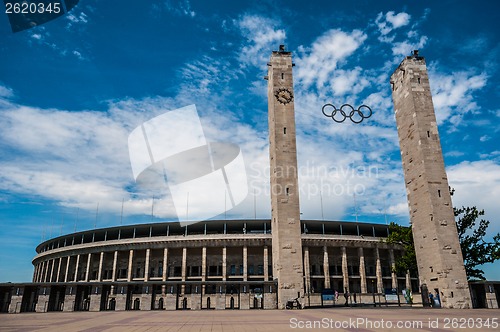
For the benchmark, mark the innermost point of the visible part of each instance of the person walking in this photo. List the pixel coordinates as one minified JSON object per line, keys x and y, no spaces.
{"x":346,"y":296}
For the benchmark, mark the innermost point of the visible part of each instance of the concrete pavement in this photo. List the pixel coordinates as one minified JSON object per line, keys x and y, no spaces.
{"x":337,"y":319}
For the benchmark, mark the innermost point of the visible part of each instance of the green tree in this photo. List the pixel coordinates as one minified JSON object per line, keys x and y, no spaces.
{"x":402,"y":235}
{"x":476,"y":250}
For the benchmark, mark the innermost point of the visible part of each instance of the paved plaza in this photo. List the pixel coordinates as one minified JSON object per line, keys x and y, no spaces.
{"x":339,"y":319}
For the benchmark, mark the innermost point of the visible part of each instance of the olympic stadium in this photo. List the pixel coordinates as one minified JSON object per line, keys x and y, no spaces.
{"x":223,"y":264}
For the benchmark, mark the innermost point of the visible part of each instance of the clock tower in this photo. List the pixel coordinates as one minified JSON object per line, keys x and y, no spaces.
{"x":285,"y":214}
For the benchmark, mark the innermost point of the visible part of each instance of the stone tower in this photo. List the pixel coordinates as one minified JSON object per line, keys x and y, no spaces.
{"x":439,"y":258}
{"x":285,"y":224}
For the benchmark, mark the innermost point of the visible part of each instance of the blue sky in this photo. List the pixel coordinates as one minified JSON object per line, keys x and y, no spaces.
{"x":73,"y":89}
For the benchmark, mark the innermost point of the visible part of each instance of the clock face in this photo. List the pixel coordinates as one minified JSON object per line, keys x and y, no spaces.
{"x":284,"y":96}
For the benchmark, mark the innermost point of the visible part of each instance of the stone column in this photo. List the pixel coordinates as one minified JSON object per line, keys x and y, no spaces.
{"x":224,"y":257}
{"x":40,"y":275}
{"x":58,"y":269}
{"x":146,"y":265}
{"x":52,"y":270}
{"x":37,"y":276}
{"x":326,"y":267}
{"x":43,"y":275}
{"x":76,"y":267}
{"x":393,"y":269}
{"x":165,"y":266}
{"x":245,"y":262}
{"x":380,"y":284}
{"x":203,"y":263}
{"x":165,"y":269}
{"x":307,"y":269}
{"x":35,"y":272}
{"x":46,"y":275}
{"x":184,"y":268}
{"x":38,"y":272}
{"x":130,"y":260}
{"x":408,"y":280}
{"x":345,"y":270}
{"x":184,"y":263}
{"x":88,"y":267}
{"x":47,"y":271}
{"x":67,"y":269}
{"x":266,"y":264}
{"x":362,"y":270}
{"x":99,"y":274}
{"x":115,"y":261}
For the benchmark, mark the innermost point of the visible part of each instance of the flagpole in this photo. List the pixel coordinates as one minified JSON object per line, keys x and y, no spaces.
{"x":321,"y":200}
{"x":62,"y":223}
{"x":121,"y":215}
{"x":152,"y":208}
{"x":385,"y":209}
{"x":254,"y":205}
{"x":96,"y":215}
{"x":76,"y":220}
{"x":187,"y":207}
{"x":355,"y":207}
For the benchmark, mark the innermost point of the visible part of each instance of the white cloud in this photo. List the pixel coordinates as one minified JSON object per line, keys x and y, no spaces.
{"x":388,"y":24}
{"x":181,"y":8}
{"x":398,"y":209}
{"x":453,"y":94}
{"x":5,"y":92}
{"x":78,"y":55}
{"x":317,"y":64}
{"x":397,"y":20}
{"x":262,"y":36}
{"x":205,"y":75}
{"x":78,"y":18}
{"x":402,"y":49}
{"x":348,"y":81}
{"x":454,"y":154}
{"x":477,"y":183}
{"x":484,"y":138}
{"x":81,"y":159}
{"x":390,"y":21}
{"x":493,"y":156}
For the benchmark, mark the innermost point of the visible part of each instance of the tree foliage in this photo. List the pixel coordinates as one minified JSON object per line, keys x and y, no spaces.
{"x":476,"y":250}
{"x":402,"y":235}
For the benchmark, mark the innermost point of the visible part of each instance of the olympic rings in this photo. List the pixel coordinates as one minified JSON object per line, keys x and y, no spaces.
{"x":356,"y":116}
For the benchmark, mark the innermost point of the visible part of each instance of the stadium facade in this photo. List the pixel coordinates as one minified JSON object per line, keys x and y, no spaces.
{"x":207,"y":265}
